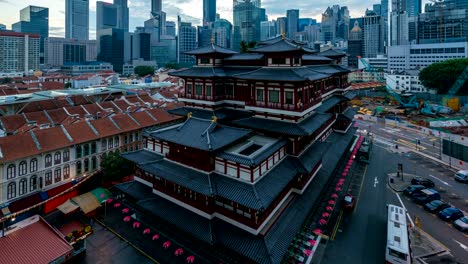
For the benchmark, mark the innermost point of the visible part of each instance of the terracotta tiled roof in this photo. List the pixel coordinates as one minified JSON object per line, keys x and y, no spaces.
{"x":48,"y":104}
{"x":121,"y":104}
{"x":79,"y":100}
{"x":125,"y":122}
{"x":12,"y":123}
{"x":144,"y":118}
{"x":52,"y":138}
{"x":76,"y":110}
{"x":17,"y":146}
{"x":35,"y":243}
{"x":57,"y":115}
{"x":81,"y":132}
{"x":105,"y":127}
{"x":173,"y":105}
{"x":163,"y":116}
{"x":39,"y":117}
{"x":52,"y":86}
{"x":93,"y":108}
{"x":133,"y":99}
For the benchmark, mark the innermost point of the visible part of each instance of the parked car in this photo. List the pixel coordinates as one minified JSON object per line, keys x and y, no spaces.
{"x":436,"y":206}
{"x":348,"y":203}
{"x":412,"y":189}
{"x":462,"y":176}
{"x":425,"y":196}
{"x":461,"y":224}
{"x":450,"y":214}
{"x":422,"y":181}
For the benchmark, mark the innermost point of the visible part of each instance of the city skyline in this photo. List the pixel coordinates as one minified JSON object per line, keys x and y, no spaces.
{"x":140,"y":11}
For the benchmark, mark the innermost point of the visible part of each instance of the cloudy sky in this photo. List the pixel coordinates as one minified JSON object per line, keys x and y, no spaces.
{"x":189,"y":10}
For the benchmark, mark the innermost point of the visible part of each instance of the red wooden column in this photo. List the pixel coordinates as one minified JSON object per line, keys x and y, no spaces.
{"x":295,"y":101}
{"x":282,"y":95}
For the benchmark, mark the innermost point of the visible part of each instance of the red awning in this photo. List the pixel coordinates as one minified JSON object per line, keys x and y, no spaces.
{"x":57,"y":190}
{"x":52,"y":204}
{"x":25,"y":203}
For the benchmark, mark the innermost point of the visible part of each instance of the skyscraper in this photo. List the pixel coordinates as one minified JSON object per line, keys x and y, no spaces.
{"x":34,"y":19}
{"x":281,"y":25}
{"x":156,"y":6}
{"x":355,"y":44}
{"x":384,"y":15}
{"x":267,"y":30}
{"x":77,"y":19}
{"x":209,"y":11}
{"x":2,"y":27}
{"x":247,"y":16}
{"x":187,"y":40}
{"x":372,"y":43}
{"x":403,"y":23}
{"x":19,"y":52}
{"x":122,"y":14}
{"x":293,"y":22}
{"x":170,"y":28}
{"x":106,"y":15}
{"x":222,"y":31}
{"x":112,"y":47}
{"x":303,"y":22}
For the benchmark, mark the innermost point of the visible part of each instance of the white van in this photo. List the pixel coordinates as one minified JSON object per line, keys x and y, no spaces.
{"x":462,"y":176}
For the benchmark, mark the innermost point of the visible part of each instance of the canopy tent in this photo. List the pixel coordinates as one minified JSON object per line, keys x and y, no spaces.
{"x":101,"y":194}
{"x":67,"y":207}
{"x":87,"y":202}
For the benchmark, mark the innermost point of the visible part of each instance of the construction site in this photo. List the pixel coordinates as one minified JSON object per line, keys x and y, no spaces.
{"x":446,"y":113}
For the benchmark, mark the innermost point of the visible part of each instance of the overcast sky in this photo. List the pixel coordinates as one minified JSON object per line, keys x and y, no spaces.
{"x":189,"y":10}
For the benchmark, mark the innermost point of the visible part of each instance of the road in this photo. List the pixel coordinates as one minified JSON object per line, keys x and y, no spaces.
{"x":363,"y":235}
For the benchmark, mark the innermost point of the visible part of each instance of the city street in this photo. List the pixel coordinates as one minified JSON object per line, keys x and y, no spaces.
{"x":361,"y":237}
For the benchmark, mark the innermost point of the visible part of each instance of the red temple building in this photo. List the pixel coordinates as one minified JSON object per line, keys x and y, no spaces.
{"x":263,"y":133}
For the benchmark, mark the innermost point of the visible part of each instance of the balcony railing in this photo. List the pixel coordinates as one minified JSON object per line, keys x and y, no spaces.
{"x":208,"y":98}
{"x":288,"y":107}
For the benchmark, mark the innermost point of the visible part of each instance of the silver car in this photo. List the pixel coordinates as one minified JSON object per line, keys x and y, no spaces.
{"x":461,"y":224}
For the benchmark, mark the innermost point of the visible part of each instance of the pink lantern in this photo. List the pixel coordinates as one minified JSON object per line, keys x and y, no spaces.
{"x":331,"y":202}
{"x":340,"y":184}
{"x":178,"y":252}
{"x":334,"y":195}
{"x":156,"y":236}
{"x":117,"y":205}
{"x":125,"y":211}
{"x":136,"y":224}
{"x":325,"y":215}
{"x":190,"y":259}
{"x":344,"y":174}
{"x":127,"y":218}
{"x":312,"y":242}
{"x":110,"y":200}
{"x":146,"y":231}
{"x":307,"y":252}
{"x":329,"y":208}
{"x":322,"y":221}
{"x":317,"y":231}
{"x":167,"y":244}
{"x":337,"y":189}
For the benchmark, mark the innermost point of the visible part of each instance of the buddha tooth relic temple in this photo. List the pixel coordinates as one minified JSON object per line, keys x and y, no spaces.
{"x":262,"y":135}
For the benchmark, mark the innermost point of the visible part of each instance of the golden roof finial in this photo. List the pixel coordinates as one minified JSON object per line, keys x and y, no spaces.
{"x":215,"y":119}
{"x":283,"y":35}
{"x":212,"y":40}
{"x":189,"y":115}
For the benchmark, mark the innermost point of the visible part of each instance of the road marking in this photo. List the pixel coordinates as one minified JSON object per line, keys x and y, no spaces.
{"x":375,"y":182}
{"x":446,"y":183}
{"x":433,"y":139}
{"x":411,"y":145}
{"x":337,"y":225}
{"x":461,"y":245}
{"x":360,"y":188}
{"x":403,"y":205}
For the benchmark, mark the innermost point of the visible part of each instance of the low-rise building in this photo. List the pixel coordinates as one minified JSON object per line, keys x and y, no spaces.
{"x":405,"y":81}
{"x":79,"y":69}
{"x":87,"y":80}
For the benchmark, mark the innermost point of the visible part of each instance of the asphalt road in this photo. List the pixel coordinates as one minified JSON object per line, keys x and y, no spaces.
{"x":361,"y":237}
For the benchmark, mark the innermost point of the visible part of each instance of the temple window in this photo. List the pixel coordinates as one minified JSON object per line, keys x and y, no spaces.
{"x":204,"y":60}
{"x":208,"y":90}
{"x":297,"y":61}
{"x":288,"y":98}
{"x":273,"y":96}
{"x":198,"y":89}
{"x":229,"y":90}
{"x":278,"y":61}
{"x":189,"y":88}
{"x":260,"y":96}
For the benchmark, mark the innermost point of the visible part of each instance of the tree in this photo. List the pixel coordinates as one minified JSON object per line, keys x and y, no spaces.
{"x":442,"y":75}
{"x":252,"y":44}
{"x":68,"y":85}
{"x":172,"y":65}
{"x":244,"y":47}
{"x":115,"y":167}
{"x":6,"y":80}
{"x":144,"y":70}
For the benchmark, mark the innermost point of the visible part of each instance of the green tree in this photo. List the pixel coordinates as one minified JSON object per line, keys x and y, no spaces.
{"x":172,"y":65}
{"x":6,"y":80}
{"x":252,"y":44}
{"x":144,"y":70}
{"x":68,"y":85}
{"x":244,"y":47}
{"x":442,"y":75}
{"x":115,"y":167}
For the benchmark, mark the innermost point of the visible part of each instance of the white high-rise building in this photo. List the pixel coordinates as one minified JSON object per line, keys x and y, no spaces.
{"x":19,"y":52}
{"x":77,"y":19}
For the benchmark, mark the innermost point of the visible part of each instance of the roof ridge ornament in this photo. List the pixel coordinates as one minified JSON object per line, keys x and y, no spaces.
{"x":214,"y":119}
{"x":189,"y":115}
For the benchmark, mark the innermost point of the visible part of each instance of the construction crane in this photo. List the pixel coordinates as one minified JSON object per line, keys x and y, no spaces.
{"x":459,"y":83}
{"x":410,"y":103}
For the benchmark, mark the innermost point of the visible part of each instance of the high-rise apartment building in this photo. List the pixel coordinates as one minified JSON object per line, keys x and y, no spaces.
{"x":384,"y":15}
{"x":293,"y":22}
{"x":372,"y":42}
{"x":61,"y":51}
{"x":187,"y":40}
{"x":209,"y":11}
{"x":222,"y":31}
{"x":267,"y":30}
{"x":303,"y":22}
{"x":34,"y":19}
{"x":19,"y":52}
{"x":77,"y":19}
{"x":170,"y":28}
{"x":2,"y":27}
{"x":403,"y":21}
{"x":247,"y":16}
{"x":156,"y":6}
